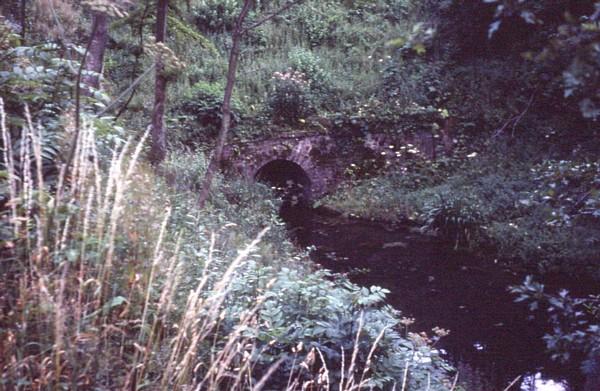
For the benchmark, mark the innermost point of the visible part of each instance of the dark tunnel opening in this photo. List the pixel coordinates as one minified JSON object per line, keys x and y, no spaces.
{"x":288,"y":179}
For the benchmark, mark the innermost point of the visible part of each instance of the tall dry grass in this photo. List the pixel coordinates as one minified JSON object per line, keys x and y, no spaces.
{"x":88,"y":305}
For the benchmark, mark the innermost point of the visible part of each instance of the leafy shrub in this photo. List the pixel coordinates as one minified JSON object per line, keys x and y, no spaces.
{"x":411,"y":81}
{"x":185,"y":170}
{"x":36,"y":85}
{"x":319,"y":21}
{"x":479,"y":93}
{"x":8,"y":37}
{"x":569,"y":45}
{"x":575,"y":322}
{"x":453,"y":218}
{"x":571,"y":189}
{"x":37,"y":76}
{"x":41,"y":77}
{"x":527,"y":242}
{"x":215,"y":16}
{"x":335,"y":315}
{"x":551,"y":221}
{"x":289,"y":98}
{"x":319,"y":80}
{"x":484,"y":93}
{"x":198,"y":116}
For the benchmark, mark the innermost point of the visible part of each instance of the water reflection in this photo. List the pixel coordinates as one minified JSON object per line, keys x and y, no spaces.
{"x":492,"y":340}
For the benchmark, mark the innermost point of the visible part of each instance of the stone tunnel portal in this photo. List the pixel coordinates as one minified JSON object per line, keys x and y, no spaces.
{"x":287,"y":178}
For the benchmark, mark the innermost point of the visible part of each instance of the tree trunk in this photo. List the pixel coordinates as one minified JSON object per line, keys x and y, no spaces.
{"x":78,"y":96}
{"x":448,"y":134}
{"x":215,"y":161}
{"x":95,"y":58}
{"x":159,"y":141}
{"x":23,"y":20}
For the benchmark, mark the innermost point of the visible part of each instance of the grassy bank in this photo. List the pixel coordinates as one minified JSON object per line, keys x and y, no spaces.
{"x":536,"y":212}
{"x":111,"y":278}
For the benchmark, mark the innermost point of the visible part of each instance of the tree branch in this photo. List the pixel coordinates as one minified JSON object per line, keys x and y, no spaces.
{"x":514,"y":120}
{"x":131,"y":87}
{"x":137,"y":61}
{"x":78,"y":96}
{"x":215,"y":162}
{"x":265,"y":19}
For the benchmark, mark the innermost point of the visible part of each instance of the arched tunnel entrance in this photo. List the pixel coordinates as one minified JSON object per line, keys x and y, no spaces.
{"x":288,"y":179}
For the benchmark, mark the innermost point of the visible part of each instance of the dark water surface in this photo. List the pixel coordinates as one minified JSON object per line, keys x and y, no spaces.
{"x":492,"y":340}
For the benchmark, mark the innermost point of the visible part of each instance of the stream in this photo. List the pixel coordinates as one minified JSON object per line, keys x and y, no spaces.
{"x":492,"y":340}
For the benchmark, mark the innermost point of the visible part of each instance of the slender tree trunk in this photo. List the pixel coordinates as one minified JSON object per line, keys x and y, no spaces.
{"x":238,"y":32}
{"x":95,"y":58}
{"x":448,"y":134}
{"x":159,"y":140}
{"x":215,"y":161}
{"x":23,"y":20}
{"x":78,"y":98}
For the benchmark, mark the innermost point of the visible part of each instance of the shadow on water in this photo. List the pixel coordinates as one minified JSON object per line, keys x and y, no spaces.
{"x":492,"y":340}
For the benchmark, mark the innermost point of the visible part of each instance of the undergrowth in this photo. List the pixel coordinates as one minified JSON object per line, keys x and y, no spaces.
{"x":538,"y":214}
{"x":112,"y":279}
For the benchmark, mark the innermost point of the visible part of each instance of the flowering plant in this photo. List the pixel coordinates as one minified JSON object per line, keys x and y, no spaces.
{"x":289,"y":98}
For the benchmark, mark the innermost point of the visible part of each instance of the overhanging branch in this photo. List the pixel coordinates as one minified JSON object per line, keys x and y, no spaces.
{"x":127,"y":91}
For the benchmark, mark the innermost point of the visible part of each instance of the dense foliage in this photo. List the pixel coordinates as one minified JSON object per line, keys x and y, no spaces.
{"x":100,"y":251}
{"x":123,"y":261}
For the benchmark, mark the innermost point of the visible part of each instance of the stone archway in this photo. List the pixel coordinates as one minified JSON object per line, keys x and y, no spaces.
{"x":287,"y":178}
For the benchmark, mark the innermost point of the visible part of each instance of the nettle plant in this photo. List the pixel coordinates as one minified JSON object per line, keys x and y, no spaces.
{"x":289,"y":98}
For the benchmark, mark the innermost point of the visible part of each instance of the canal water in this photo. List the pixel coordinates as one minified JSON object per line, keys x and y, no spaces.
{"x":492,"y":339}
